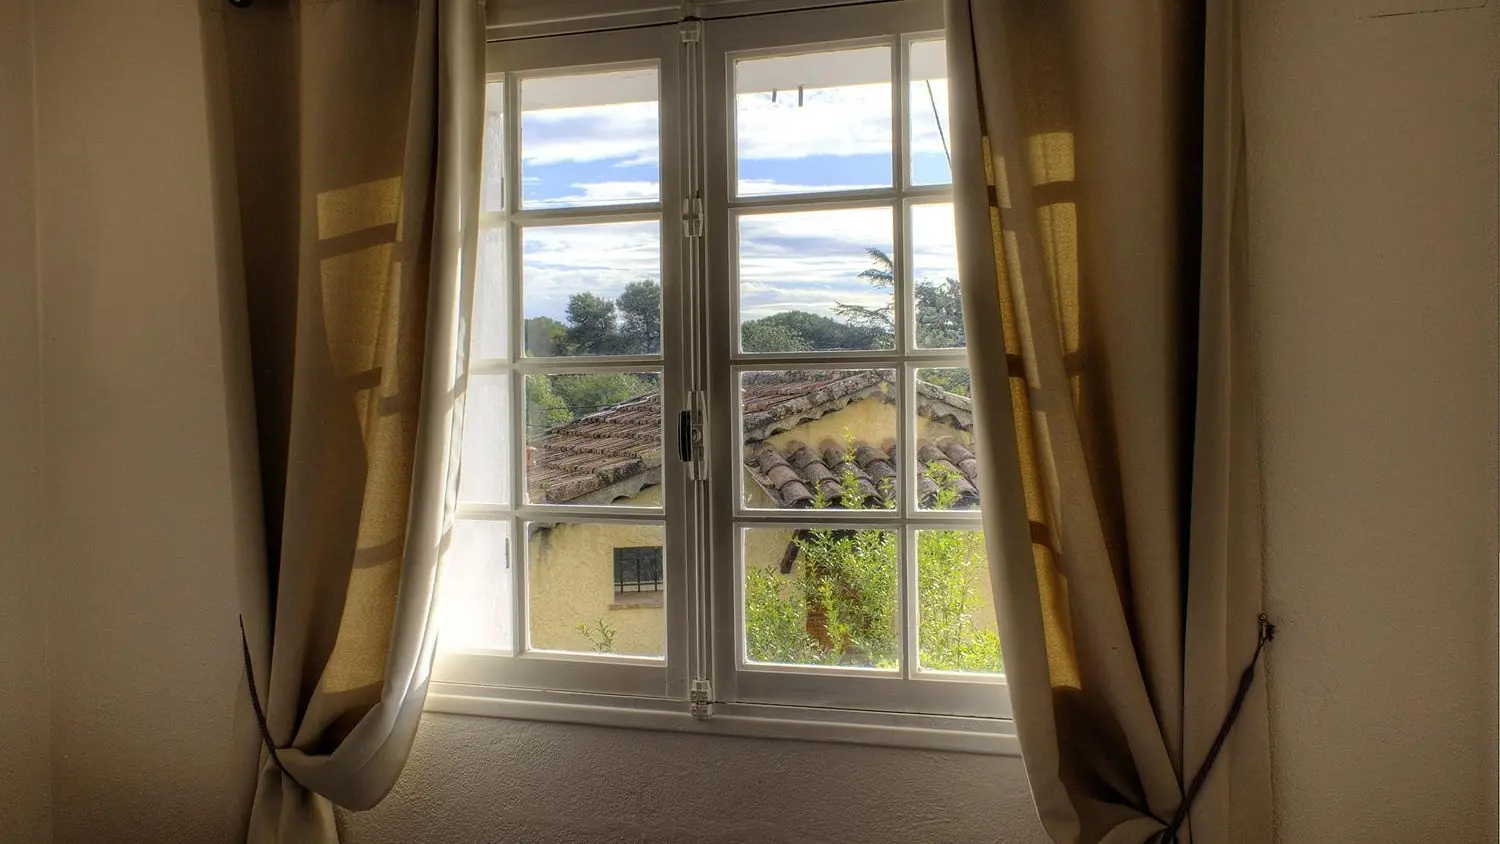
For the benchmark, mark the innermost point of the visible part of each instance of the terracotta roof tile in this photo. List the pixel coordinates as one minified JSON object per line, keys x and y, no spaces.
{"x":615,"y":452}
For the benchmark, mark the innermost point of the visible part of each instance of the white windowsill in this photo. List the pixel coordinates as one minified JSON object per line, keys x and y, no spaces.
{"x":886,"y":729}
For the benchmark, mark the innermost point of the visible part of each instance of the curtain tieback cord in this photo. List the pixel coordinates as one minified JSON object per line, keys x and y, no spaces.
{"x":1169,"y":835}
{"x":260,"y":712}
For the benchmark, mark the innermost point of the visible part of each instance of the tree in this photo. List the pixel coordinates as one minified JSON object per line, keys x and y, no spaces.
{"x":639,"y":307}
{"x":545,"y":337}
{"x":839,"y":604}
{"x":591,"y":325}
{"x":544,"y":408}
{"x":791,"y":331}
{"x":939,"y":308}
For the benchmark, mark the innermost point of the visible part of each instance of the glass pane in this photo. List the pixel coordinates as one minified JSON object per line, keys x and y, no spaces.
{"x":821,"y":597}
{"x":484,"y":476}
{"x":927,"y":98}
{"x":816,"y":280}
{"x":594,"y":438}
{"x":590,"y":139}
{"x":947,"y":472}
{"x":819,"y":438}
{"x":576,"y":600}
{"x":492,"y":173}
{"x":955,"y":603}
{"x":813,"y":122}
{"x":592,"y":289}
{"x":934,"y":269}
{"x":476,"y":587}
{"x":490,"y":330}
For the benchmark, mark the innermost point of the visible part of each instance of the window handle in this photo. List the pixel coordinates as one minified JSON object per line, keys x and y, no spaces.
{"x":685,"y":436}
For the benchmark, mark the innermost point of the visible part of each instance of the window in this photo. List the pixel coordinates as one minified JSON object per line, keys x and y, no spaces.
{"x":638,"y":569}
{"x":718,"y":462}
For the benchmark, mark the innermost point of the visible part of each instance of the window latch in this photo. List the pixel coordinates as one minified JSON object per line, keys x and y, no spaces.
{"x":690,"y":445}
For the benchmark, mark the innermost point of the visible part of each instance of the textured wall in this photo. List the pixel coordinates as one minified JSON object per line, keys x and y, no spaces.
{"x":572,"y":570}
{"x":143,"y":634}
{"x":1373,"y":209}
{"x":1374,"y":253}
{"x":25,"y":777}
{"x":474,"y":780}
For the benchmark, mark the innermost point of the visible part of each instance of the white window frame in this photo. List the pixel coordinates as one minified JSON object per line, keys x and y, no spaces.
{"x":699,"y":365}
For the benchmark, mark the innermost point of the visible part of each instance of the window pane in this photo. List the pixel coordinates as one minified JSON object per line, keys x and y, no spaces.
{"x":590,"y":139}
{"x":592,"y":289}
{"x":816,"y":280}
{"x":947,"y":472}
{"x":819,"y":438}
{"x":594,"y":438}
{"x":476,"y":587}
{"x":955,"y":603}
{"x":484,"y":471}
{"x":492,"y":178}
{"x":934,"y":268}
{"x":573,"y":601}
{"x":490,"y":330}
{"x":821,"y":597}
{"x":927,"y":99}
{"x":813,"y":122}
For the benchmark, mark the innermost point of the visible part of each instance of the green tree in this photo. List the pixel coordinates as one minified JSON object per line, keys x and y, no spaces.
{"x":585,"y":393}
{"x":591,"y":325}
{"x":544,"y":408}
{"x":545,"y":337}
{"x":939,"y":307}
{"x":792,"y":331}
{"x":639,"y":307}
{"x":838,"y":606}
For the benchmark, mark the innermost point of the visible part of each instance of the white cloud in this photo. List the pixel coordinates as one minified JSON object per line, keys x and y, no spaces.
{"x":850,"y":120}
{"x":602,"y":193}
{"x":559,"y":261}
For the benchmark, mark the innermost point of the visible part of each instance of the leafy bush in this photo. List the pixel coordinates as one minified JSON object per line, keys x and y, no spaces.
{"x":838,"y":606}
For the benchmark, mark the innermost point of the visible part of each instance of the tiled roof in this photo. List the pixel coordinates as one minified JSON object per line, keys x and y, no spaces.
{"x":615,"y":452}
{"x":801,"y":475}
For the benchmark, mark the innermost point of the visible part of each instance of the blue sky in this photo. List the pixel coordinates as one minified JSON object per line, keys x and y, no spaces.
{"x":839,"y":137}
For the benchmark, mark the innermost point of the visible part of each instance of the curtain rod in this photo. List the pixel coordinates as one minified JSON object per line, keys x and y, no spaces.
{"x":244,"y":4}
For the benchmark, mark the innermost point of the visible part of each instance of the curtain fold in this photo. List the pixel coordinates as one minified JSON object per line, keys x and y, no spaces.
{"x":1100,"y":211}
{"x":348,"y":139}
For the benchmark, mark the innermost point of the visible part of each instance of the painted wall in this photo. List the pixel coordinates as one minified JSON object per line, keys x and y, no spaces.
{"x":144,"y":645}
{"x":1374,"y":256}
{"x":572,"y":572}
{"x":25,"y":773}
{"x":1373,"y":220}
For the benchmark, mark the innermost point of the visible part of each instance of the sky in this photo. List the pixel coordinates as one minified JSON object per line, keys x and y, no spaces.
{"x":605,"y":151}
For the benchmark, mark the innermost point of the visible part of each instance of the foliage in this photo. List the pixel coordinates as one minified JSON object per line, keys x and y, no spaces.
{"x":794,"y":331}
{"x":591,"y":325}
{"x":545,"y":337}
{"x":838,"y":607}
{"x":939,"y":309}
{"x":954,"y":379}
{"x":600,"y":635}
{"x":554,"y":399}
{"x":630,"y":324}
{"x":639,"y":307}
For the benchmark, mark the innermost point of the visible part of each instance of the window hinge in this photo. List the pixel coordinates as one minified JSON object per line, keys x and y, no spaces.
{"x":692,"y":31}
{"x":692,"y":217}
{"x":702,"y":698}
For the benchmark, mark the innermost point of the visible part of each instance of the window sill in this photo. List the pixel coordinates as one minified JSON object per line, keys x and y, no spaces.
{"x":637,"y":601}
{"x":985,"y":736}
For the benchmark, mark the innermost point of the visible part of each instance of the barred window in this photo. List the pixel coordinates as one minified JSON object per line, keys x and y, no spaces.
{"x":638,"y":569}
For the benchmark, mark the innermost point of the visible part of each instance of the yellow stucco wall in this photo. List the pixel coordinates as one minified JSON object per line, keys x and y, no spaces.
{"x":571,"y":574}
{"x":571,"y":566}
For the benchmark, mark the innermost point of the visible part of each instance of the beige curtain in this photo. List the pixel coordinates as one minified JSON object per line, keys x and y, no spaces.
{"x":1100,"y":195}
{"x":348,"y":139}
